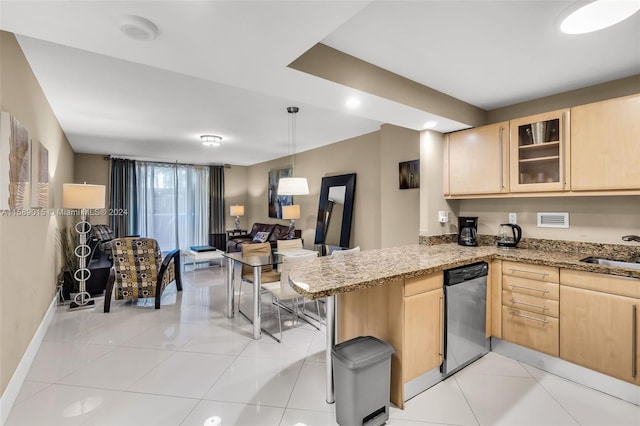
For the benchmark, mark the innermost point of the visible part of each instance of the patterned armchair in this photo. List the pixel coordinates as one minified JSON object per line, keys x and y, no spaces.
{"x":139,"y":271}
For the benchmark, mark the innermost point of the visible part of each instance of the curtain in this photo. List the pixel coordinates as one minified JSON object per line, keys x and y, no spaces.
{"x":216,"y":204}
{"x":123,"y":197}
{"x":173,"y":203}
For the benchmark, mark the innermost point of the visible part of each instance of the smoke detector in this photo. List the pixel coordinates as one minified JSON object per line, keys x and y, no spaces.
{"x":137,"y":27}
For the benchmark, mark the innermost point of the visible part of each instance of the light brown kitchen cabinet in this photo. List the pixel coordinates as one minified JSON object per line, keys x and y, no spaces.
{"x":605,"y":145}
{"x":599,"y":325}
{"x":408,"y":314}
{"x":530,"y":306}
{"x":539,"y":152}
{"x":423,"y":321}
{"x":478,"y":160}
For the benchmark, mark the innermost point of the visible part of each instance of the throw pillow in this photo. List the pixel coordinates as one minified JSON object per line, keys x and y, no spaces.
{"x":261,"y":237}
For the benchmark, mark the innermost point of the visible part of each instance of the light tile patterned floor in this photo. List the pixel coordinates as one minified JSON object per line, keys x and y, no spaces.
{"x":187,"y":362}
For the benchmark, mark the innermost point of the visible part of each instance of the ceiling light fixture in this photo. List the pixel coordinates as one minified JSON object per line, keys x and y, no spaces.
{"x":137,"y":27}
{"x":352,"y":103}
{"x":211,"y":140}
{"x":598,"y":15}
{"x":429,"y":124}
{"x":293,"y":185}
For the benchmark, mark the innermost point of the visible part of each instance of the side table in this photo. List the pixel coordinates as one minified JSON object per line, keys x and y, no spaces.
{"x":236,"y":232}
{"x":202,"y":256}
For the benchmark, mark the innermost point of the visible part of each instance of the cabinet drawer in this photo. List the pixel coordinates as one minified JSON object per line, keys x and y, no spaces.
{"x":531,"y":287}
{"x":538,"y":332}
{"x":417,"y":285}
{"x":622,"y":286}
{"x":538,"y":305}
{"x":532,"y":272}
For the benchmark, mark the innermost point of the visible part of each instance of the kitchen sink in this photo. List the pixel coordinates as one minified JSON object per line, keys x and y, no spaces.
{"x":611,"y":262}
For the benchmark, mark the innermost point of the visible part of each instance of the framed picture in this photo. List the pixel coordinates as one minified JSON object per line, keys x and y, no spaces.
{"x":277,"y":201}
{"x":40,"y":178}
{"x":15,"y":164}
{"x":409,"y":172}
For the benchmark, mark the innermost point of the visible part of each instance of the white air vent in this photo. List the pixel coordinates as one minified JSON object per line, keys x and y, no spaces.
{"x":553,"y":220}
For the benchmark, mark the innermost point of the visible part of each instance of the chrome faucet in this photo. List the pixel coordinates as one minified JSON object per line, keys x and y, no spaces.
{"x":631,"y":238}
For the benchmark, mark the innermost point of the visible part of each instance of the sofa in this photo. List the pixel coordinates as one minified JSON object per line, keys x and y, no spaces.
{"x":273,"y":233}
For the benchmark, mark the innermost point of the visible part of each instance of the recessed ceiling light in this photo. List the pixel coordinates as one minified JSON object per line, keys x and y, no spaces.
{"x":352,"y":103}
{"x":598,"y":15}
{"x":211,"y":140}
{"x":430,"y":124}
{"x":137,"y":27}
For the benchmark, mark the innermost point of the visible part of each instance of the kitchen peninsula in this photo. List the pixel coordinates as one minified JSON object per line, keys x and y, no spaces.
{"x":385,"y":292}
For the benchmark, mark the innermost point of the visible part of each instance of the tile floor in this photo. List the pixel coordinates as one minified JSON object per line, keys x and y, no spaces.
{"x":186,"y":362}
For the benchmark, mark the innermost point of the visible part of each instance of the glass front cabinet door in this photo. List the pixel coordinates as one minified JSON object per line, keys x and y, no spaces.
{"x":539,"y":152}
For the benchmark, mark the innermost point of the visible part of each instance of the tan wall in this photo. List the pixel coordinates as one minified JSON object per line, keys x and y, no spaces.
{"x":593,"y":219}
{"x":360,"y":155}
{"x":400,"y":208}
{"x":235,"y":192}
{"x":431,"y":194}
{"x":26,"y":292}
{"x":93,"y":169}
{"x":599,"y":92}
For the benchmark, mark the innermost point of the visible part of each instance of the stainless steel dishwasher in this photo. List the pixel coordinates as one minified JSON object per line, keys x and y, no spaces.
{"x":465,"y":293}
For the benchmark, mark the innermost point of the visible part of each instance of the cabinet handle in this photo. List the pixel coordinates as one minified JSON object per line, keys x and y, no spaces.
{"x":564,"y":149}
{"x":441,"y":328}
{"x":501,"y":158}
{"x":517,"y":314}
{"x":541,"y":290}
{"x":514,"y":301}
{"x":634,"y":341}
{"x":542,"y":274}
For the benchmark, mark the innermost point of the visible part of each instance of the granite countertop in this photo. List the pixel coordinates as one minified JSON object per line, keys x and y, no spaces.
{"x":326,"y":276}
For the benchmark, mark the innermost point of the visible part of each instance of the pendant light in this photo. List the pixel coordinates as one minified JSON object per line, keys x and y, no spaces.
{"x":293,"y":185}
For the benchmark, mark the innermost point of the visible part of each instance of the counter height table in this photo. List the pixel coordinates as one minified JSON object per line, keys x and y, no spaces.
{"x":256,"y":262}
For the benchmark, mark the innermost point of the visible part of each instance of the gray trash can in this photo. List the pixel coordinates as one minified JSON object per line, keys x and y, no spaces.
{"x":361,"y":374}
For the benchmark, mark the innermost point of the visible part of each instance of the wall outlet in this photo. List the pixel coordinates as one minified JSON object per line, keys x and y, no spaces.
{"x":443,"y":216}
{"x":513,"y":218}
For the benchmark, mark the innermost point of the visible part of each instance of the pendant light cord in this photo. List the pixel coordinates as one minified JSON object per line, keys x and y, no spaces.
{"x":292,"y":136}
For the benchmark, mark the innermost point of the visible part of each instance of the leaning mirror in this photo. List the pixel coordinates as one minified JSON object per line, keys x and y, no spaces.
{"x":335,"y":211}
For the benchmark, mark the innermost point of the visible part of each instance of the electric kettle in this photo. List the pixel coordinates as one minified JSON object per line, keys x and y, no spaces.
{"x":508,"y":235}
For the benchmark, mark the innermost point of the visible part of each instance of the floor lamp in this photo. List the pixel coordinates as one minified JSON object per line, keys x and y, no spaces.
{"x":83,"y":197}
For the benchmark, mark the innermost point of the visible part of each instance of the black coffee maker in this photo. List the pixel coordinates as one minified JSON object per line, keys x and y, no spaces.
{"x":467,"y":231}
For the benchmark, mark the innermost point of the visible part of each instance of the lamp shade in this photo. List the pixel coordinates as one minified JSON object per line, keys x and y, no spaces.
{"x":236,"y":210}
{"x":291,"y":212}
{"x":83,"y":196}
{"x":293,"y":186}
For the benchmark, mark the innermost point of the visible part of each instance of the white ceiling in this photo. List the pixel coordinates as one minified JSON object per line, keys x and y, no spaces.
{"x":220,"y":67}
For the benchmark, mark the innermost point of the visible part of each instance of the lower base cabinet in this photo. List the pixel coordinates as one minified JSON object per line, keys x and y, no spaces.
{"x":534,"y":331}
{"x":600,"y":331}
{"x":406,"y":314}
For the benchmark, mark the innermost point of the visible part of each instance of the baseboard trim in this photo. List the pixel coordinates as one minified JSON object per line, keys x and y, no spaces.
{"x":568,"y":370}
{"x":10,"y":393}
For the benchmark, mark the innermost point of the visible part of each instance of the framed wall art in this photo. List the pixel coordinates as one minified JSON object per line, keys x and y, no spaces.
{"x":409,"y":172}
{"x":277,"y":201}
{"x":15,"y":164}
{"x":40,"y":178}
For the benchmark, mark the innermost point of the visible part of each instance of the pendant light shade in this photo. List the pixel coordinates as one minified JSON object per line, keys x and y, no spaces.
{"x":293,"y":185}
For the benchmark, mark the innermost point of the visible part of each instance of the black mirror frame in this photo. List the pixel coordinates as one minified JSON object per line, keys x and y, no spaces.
{"x":349,"y":181}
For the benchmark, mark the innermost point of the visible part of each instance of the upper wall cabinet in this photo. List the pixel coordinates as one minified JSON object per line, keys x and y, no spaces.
{"x":477,"y":161}
{"x":605,"y":151}
{"x":539,"y":152}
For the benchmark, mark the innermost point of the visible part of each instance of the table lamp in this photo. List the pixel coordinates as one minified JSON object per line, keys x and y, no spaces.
{"x":83,"y":197}
{"x":292,"y":213}
{"x":237,"y":211}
